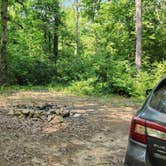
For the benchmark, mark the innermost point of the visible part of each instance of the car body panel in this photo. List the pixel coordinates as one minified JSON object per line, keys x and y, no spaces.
{"x":136,"y":154}
{"x":156,"y":150}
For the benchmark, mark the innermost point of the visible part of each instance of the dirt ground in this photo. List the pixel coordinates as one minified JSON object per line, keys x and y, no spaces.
{"x":95,"y":134}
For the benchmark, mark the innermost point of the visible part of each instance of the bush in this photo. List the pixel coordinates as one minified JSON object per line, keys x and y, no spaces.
{"x":70,"y":68}
{"x":120,"y":77}
{"x":82,"y":87}
{"x":24,"y":70}
{"x":115,"y":77}
{"x":159,"y":71}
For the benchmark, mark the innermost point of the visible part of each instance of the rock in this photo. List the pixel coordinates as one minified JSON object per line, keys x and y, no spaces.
{"x":65,"y":113}
{"x":52,"y":111}
{"x":50,"y":117}
{"x":37,"y":115}
{"x":25,"y":111}
{"x":76,"y":115}
{"x":58,"y":111}
{"x":32,"y":113}
{"x":17,"y":112}
{"x":46,"y":107}
{"x":37,"y":161}
{"x":61,"y":111}
{"x":47,"y":113}
{"x":60,"y":119}
{"x":11,"y":112}
{"x":46,"y":110}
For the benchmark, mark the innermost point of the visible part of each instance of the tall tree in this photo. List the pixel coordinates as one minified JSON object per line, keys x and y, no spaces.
{"x":91,"y":10}
{"x":56,"y":37}
{"x":3,"y":46}
{"x":76,"y":26}
{"x":48,"y":13}
{"x":138,"y":34}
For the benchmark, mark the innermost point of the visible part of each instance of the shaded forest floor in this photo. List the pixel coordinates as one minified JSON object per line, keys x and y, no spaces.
{"x":96,"y":133}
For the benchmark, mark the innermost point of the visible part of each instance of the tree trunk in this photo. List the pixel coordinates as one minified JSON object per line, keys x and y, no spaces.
{"x":3,"y":46}
{"x":55,"y":47}
{"x":55,"y":39}
{"x":138,"y":34}
{"x":49,"y":42}
{"x":76,"y":28}
{"x":95,"y":34}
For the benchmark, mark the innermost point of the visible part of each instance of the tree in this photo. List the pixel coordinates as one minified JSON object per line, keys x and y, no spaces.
{"x":49,"y":15}
{"x":76,"y":26}
{"x":138,"y":34}
{"x":3,"y":46}
{"x":154,"y":31}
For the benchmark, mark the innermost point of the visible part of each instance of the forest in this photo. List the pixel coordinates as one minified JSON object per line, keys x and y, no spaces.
{"x":72,"y":75}
{"x":88,"y":46}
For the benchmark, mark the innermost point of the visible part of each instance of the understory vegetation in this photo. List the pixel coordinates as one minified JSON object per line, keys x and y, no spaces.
{"x":90,"y":50}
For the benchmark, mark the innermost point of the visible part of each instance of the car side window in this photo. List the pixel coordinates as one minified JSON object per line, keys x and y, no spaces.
{"x":158,"y":100}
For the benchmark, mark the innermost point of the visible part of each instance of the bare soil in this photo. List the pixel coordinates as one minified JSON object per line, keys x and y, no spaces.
{"x":95,"y":134}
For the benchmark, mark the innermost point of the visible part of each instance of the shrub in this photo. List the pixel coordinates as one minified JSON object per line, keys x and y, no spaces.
{"x":24,"y":70}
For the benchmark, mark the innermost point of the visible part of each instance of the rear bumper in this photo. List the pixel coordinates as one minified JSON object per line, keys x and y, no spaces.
{"x":136,"y":154}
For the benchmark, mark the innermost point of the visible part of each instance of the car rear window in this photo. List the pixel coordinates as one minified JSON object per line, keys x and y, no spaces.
{"x":158,"y":100}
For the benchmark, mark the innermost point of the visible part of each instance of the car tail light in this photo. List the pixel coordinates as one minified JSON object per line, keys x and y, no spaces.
{"x":141,"y":129}
{"x":155,"y":130}
{"x":138,"y":130}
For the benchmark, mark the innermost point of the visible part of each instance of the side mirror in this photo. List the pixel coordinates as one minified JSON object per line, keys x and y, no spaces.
{"x":148,"y":91}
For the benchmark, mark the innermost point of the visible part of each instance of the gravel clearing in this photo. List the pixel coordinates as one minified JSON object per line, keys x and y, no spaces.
{"x":94,"y":134}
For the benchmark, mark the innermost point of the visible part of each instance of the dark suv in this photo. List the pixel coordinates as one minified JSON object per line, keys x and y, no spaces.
{"x":147,"y":140}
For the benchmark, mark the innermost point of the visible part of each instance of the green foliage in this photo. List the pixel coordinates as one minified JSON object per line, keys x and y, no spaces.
{"x":154,"y":33}
{"x":71,"y":68}
{"x":105,"y":63}
{"x":159,"y":70}
{"x":25,"y":70}
{"x":82,"y":87}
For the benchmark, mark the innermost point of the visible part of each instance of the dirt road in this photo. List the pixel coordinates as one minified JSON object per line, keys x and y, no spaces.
{"x":95,"y":134}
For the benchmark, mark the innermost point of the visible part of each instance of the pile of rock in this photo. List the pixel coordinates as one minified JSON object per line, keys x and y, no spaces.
{"x":46,"y":110}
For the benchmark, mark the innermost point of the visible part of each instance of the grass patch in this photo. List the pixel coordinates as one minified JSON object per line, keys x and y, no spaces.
{"x":78,"y":88}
